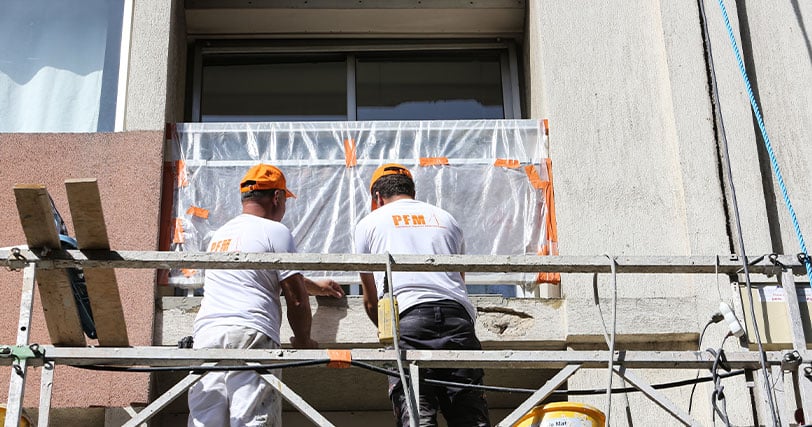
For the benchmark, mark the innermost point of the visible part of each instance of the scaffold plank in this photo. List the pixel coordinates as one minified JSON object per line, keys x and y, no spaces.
{"x":58,"y":303}
{"x":45,"y":393}
{"x":802,"y":384}
{"x":102,"y":287}
{"x":16,"y":387}
{"x":374,"y":262}
{"x":34,"y":207}
{"x":507,"y":359}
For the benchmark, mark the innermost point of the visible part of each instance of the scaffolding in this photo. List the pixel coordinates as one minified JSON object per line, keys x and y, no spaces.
{"x":46,"y":263}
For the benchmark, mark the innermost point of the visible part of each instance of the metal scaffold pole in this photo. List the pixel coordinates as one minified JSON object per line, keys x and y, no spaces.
{"x":568,"y":362}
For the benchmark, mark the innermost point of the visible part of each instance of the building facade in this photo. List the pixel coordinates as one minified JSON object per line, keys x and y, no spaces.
{"x":638,"y":152}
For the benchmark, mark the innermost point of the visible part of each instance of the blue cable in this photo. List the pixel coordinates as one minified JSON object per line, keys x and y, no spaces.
{"x":773,"y":161}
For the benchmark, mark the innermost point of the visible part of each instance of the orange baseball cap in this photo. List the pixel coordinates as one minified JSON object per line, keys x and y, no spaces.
{"x":384,"y":170}
{"x":264,"y":177}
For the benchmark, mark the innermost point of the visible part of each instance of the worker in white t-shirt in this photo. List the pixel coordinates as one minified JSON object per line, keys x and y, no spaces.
{"x":242,"y":308}
{"x":435,"y":312}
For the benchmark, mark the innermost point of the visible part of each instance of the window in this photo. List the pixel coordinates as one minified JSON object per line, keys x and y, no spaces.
{"x":354,"y":83}
{"x":60,"y":65}
{"x":364,"y":81}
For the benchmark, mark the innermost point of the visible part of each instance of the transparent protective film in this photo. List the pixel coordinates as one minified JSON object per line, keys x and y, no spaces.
{"x":492,"y":175}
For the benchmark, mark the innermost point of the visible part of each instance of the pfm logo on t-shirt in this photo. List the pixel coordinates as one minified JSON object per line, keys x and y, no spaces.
{"x":414,"y":220}
{"x":220,"y":245}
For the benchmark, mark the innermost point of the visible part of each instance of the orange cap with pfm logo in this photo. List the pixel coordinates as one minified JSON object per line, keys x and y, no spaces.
{"x":384,"y":170}
{"x":264,"y":177}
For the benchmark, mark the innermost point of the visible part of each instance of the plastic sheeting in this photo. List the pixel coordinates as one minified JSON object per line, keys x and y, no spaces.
{"x":492,"y":175}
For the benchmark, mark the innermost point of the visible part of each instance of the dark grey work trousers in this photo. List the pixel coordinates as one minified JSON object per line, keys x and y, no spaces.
{"x":443,"y":325}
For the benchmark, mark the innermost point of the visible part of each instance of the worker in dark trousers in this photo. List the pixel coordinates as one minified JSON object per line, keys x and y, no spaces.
{"x":435,"y":312}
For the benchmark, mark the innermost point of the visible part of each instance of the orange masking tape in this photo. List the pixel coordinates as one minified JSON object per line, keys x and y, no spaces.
{"x":506,"y":163}
{"x":180,"y":170}
{"x":339,"y":358}
{"x":178,"y":234}
{"x":535,"y":179}
{"x":198,"y":212}
{"x":350,"y":159}
{"x":433,"y":161}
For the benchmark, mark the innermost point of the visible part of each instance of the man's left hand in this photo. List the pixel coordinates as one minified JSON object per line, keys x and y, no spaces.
{"x":324,"y":287}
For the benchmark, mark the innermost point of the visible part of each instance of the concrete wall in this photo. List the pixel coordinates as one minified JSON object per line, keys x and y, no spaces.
{"x":152,"y":98}
{"x":776,"y":39}
{"x":634,"y":148}
{"x":128,"y":169}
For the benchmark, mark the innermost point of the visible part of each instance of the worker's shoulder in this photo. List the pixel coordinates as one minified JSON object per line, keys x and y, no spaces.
{"x":258,"y":224}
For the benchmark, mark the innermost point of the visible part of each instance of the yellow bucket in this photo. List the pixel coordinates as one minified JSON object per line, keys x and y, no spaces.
{"x":563,"y":414}
{"x":24,"y":420}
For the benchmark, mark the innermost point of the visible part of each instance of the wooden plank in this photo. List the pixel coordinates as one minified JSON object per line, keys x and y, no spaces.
{"x":36,"y":217}
{"x":102,"y":287}
{"x":58,"y":303}
{"x":86,"y":211}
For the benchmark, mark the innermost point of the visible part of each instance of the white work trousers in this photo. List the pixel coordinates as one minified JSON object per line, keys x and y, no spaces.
{"x":234,"y":398}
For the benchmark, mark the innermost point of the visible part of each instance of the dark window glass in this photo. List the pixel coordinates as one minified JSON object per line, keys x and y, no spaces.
{"x":434,"y":88}
{"x":277,"y":91}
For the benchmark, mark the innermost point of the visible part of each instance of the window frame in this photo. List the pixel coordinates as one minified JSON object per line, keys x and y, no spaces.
{"x":506,"y":50}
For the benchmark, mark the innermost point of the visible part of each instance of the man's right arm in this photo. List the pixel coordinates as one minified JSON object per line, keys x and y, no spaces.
{"x":370,"y":296}
{"x":299,"y":315}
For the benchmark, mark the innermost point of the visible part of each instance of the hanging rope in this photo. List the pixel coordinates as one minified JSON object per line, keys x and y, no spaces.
{"x":767,"y":144}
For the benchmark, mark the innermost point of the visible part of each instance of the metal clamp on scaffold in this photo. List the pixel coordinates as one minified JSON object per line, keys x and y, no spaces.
{"x":808,"y":372}
{"x":791,"y":360}
{"x":16,"y":260}
{"x":20,"y":353}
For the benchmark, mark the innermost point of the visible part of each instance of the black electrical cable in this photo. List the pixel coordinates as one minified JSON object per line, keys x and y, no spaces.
{"x":585,"y":392}
{"x":718,"y":389}
{"x":716,"y":318}
{"x":729,"y":174}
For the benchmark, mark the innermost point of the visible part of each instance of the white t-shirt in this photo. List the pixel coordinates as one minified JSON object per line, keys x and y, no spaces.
{"x":409,"y":226}
{"x":246,"y":297}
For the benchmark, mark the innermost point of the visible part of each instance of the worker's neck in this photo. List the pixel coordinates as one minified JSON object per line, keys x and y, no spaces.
{"x":397,"y":197}
{"x":261,"y":210}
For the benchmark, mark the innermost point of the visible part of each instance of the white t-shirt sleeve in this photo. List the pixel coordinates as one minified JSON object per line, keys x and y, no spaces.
{"x":361,"y":242}
{"x":280,"y":240}
{"x":361,"y":245}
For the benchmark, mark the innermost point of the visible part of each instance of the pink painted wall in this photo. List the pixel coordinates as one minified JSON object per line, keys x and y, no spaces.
{"x":128,"y":168}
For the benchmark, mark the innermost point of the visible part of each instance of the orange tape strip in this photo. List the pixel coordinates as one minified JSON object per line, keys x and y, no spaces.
{"x":550,"y":247}
{"x":339,"y":358}
{"x":198,"y":212}
{"x":546,"y":124}
{"x":433,"y":161}
{"x":178,"y":233}
{"x":535,"y":179}
{"x":180,"y":170}
{"x":506,"y":163}
{"x":349,"y":153}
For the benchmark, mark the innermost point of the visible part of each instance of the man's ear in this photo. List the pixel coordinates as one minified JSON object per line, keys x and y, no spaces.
{"x":379,"y":199}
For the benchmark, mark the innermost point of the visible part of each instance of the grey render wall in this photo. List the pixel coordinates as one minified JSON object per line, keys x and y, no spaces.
{"x":634,"y":149}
